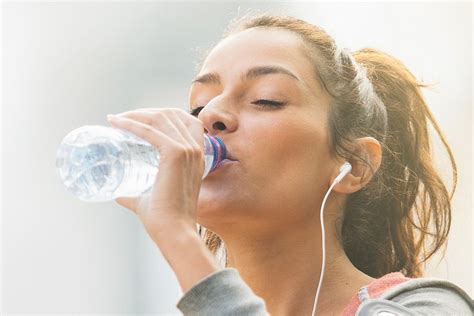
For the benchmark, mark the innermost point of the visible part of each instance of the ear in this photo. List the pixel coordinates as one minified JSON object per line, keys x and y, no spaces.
{"x":368,"y":148}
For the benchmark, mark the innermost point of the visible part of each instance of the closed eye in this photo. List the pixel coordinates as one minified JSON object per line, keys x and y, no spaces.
{"x":264,"y":103}
{"x":261,"y":103}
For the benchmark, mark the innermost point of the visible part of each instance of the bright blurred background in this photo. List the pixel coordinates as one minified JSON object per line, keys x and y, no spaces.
{"x":68,"y":64}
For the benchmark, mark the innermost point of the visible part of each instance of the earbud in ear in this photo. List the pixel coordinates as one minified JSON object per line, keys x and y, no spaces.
{"x":343,"y":170}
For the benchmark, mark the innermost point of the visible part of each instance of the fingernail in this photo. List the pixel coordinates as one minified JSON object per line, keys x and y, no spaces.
{"x":111,"y":117}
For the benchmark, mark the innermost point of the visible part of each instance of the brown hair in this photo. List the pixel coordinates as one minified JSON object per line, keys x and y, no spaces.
{"x":403,"y":215}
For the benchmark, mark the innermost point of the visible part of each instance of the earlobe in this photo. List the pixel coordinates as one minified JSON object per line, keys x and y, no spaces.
{"x":345,"y":178}
{"x":348,"y":184}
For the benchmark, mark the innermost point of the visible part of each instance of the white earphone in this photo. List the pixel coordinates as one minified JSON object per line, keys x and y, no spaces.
{"x":345,"y":168}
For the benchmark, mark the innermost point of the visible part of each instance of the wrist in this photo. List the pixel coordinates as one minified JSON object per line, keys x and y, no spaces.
{"x":187,"y":255}
{"x":176,"y":236}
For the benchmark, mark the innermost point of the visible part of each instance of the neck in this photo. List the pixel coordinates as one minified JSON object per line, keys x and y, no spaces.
{"x":283,"y":267}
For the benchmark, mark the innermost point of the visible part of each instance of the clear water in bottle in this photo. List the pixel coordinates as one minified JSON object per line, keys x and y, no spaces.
{"x":98,"y":163}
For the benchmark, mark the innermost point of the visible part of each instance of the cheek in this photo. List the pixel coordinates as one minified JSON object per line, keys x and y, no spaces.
{"x":289,"y":147}
{"x":290,"y":167}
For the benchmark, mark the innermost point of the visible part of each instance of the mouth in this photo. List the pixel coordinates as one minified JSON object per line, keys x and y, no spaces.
{"x":228,"y":157}
{"x":227,"y":161}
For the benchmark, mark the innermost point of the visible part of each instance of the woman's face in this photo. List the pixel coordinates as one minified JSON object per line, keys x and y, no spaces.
{"x":282,"y":150}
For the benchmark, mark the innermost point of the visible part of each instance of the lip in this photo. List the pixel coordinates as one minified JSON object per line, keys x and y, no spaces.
{"x":227,"y":161}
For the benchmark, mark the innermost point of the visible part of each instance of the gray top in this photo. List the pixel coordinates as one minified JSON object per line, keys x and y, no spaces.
{"x":224,"y":292}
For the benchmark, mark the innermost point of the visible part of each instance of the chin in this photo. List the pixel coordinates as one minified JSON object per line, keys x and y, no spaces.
{"x":207,"y":214}
{"x":214,"y":215}
{"x":216,"y":195}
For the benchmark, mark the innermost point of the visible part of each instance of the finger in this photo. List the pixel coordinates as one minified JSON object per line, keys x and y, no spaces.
{"x":142,"y":130}
{"x":187,"y":118}
{"x":142,"y":115}
{"x":157,"y":119}
{"x":194,"y":126}
{"x":184,"y":130}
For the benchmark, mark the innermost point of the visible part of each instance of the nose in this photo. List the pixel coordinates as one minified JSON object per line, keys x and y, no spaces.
{"x":216,"y":119}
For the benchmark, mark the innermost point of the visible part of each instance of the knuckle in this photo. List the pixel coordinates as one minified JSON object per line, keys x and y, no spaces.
{"x":190,"y":151}
{"x":158,"y":114}
{"x":197,"y":152}
{"x":158,"y":117}
{"x":163,"y":111}
{"x":187,"y":152}
{"x":180,"y":111}
{"x":194,"y":151}
{"x":180,"y":151}
{"x":176,"y":113}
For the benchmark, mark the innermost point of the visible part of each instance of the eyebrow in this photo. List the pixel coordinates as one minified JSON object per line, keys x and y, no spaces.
{"x":252,"y":73}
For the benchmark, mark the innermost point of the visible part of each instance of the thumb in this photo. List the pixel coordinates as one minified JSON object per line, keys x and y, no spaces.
{"x":129,"y":202}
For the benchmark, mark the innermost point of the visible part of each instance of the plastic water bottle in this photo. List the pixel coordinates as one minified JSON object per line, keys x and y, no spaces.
{"x":98,"y":163}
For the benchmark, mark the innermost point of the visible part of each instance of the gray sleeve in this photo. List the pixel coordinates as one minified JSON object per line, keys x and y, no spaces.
{"x":424,"y":296}
{"x":221,"y":293}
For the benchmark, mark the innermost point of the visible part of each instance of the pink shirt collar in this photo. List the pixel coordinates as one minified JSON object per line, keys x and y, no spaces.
{"x":373,"y":290}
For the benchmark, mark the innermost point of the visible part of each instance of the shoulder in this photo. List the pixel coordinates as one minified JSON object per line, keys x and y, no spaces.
{"x":429,"y":290}
{"x":421,"y":296}
{"x":222,"y":292}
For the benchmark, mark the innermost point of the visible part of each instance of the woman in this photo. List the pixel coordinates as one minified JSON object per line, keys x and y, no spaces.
{"x":291,"y":108}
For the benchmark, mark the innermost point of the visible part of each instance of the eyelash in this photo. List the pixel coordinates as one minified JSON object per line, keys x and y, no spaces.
{"x":260,"y":103}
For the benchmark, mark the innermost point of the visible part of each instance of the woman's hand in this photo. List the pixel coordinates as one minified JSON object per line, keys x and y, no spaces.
{"x":179,"y":138}
{"x":168,"y":212}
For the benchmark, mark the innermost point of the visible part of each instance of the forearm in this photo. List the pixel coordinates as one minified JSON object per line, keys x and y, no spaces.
{"x":187,"y":255}
{"x":207,"y":289}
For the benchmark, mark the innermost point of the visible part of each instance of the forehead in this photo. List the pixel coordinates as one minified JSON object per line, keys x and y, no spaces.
{"x":256,"y":47}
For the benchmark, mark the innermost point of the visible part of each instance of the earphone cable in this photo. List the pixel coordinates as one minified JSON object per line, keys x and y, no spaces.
{"x":323,"y":244}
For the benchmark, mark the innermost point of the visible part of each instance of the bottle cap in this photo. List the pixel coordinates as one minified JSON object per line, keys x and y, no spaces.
{"x":219,"y":151}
